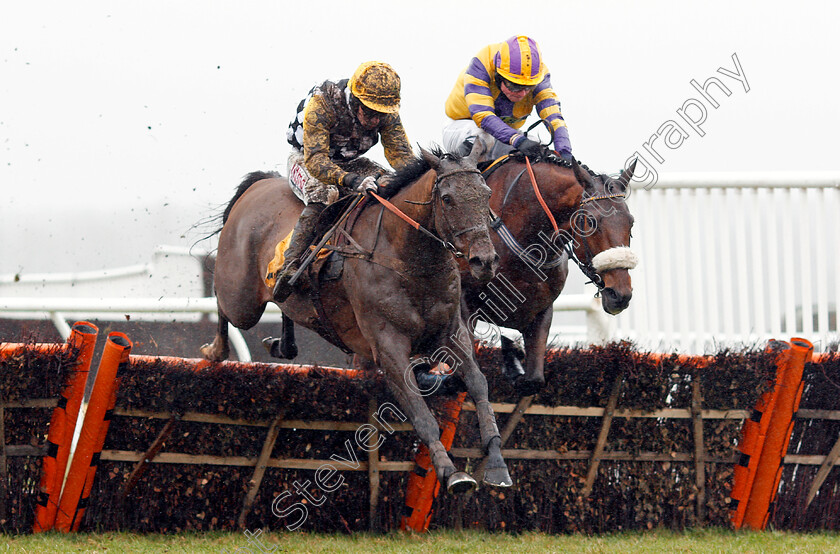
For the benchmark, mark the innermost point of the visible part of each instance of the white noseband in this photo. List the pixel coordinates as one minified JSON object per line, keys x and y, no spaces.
{"x":620,"y":257}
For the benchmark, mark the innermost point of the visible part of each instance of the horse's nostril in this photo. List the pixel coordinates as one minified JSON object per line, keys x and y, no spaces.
{"x":616,"y":299}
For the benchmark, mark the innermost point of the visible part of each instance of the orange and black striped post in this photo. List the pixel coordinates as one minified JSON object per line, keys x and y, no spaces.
{"x":769,"y":469}
{"x":753,"y":434}
{"x":423,"y":484}
{"x":92,"y":436}
{"x":62,"y":425}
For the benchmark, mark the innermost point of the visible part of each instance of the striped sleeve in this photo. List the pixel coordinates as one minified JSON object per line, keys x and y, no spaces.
{"x":548,"y":108}
{"x":481,"y":105}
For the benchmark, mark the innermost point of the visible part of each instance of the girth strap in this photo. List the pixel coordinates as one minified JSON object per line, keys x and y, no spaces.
{"x":324,"y":325}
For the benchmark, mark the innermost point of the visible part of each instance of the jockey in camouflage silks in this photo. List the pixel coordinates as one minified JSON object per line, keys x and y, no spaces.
{"x":334,"y":125}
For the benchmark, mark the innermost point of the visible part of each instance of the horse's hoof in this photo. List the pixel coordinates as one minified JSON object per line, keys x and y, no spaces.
{"x":272,"y":346}
{"x":498,"y":477}
{"x":288,"y":352}
{"x":207,"y":351}
{"x":460,"y":482}
{"x":435,"y":384}
{"x":454,"y":385}
{"x":518,"y":351}
{"x":450,"y":384}
{"x":513,"y":369}
{"x":528,"y":387}
{"x":276,"y":348}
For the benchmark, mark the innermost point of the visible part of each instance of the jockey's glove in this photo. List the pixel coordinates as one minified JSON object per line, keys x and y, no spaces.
{"x":530,"y":148}
{"x":368,"y":183}
{"x":566,"y":155}
{"x":352,"y":180}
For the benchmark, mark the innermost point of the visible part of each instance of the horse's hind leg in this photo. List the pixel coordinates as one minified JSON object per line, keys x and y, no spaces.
{"x":219,"y":349}
{"x":285,"y":347}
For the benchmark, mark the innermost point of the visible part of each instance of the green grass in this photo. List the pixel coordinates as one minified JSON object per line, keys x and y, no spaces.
{"x":711,"y":541}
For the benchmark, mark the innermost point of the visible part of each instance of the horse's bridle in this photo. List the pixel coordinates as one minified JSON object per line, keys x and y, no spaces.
{"x":435,"y":199}
{"x":586,"y":266}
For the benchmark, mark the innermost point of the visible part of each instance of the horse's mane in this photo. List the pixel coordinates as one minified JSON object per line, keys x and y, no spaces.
{"x":591,"y":172}
{"x":548,"y":156}
{"x":412,"y":171}
{"x":249,"y":180}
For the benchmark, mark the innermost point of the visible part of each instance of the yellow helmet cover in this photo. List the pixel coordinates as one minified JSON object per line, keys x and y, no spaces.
{"x":377,"y":86}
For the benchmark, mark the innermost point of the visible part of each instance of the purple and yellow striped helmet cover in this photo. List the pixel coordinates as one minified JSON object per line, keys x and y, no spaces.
{"x":519,"y":61}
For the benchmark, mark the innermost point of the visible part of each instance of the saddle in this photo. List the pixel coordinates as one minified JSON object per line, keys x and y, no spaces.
{"x":325,"y":220}
{"x":330,"y":262}
{"x":342,"y":245}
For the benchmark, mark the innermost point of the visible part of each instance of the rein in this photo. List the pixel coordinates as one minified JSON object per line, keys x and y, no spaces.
{"x":399,"y":213}
{"x":539,"y":196}
{"x":588,"y":267}
{"x":402,"y":215}
{"x":505,"y":234}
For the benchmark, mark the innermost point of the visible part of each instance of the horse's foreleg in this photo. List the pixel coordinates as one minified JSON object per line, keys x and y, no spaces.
{"x":403,"y":385}
{"x":219,"y":349}
{"x":496,"y":472}
{"x":536,"y":337}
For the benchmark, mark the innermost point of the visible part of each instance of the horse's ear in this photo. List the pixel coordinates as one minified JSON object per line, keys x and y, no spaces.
{"x":583,"y":177}
{"x":627,"y":174}
{"x":481,"y":145}
{"x":432,"y":160}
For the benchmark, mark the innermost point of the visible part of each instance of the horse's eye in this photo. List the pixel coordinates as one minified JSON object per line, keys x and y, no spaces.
{"x":446,"y":199}
{"x":586,"y":221}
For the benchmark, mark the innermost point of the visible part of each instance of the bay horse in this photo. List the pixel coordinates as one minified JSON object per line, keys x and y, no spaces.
{"x":397,"y":299}
{"x":593,"y":226}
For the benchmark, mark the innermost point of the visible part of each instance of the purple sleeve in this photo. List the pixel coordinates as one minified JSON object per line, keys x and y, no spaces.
{"x":561,"y":140}
{"x":500,"y":130}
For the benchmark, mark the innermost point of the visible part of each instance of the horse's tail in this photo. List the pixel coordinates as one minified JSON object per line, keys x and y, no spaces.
{"x":213,"y":221}
{"x":249,"y":180}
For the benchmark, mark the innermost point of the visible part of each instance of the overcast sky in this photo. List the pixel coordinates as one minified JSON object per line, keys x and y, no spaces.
{"x":123,"y":124}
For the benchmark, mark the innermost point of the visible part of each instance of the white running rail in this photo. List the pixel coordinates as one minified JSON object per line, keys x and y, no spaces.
{"x":725,"y":259}
{"x":731,"y":258}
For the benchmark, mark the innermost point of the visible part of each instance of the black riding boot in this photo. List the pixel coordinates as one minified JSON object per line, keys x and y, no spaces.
{"x":302,"y":238}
